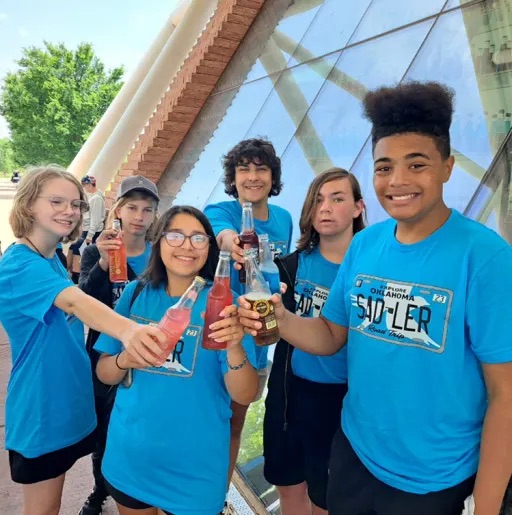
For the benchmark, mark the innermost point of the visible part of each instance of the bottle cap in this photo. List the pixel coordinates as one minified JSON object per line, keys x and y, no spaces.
{"x":199,"y":280}
{"x":225,"y":254}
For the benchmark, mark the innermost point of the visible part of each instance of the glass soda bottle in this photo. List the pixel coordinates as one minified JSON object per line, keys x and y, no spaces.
{"x":219,"y":297}
{"x":117,"y":262}
{"x":177,"y":317}
{"x":267,"y":266}
{"x":248,"y":236}
{"x":258,"y":295}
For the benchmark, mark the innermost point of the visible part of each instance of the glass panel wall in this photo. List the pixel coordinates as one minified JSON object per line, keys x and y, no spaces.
{"x":304,"y":91}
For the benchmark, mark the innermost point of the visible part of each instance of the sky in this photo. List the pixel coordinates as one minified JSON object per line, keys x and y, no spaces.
{"x":120,"y":30}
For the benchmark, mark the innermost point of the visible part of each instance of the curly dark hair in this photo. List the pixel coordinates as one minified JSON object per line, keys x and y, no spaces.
{"x":257,"y":151}
{"x":421,"y":107}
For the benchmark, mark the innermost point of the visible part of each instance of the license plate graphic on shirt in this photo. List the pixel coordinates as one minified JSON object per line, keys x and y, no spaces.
{"x":309,"y":298}
{"x":401,"y":313}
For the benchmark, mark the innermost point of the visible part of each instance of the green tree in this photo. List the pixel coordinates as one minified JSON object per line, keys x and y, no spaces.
{"x":54,"y":100}
{"x":7,"y":162}
{"x":252,"y":435}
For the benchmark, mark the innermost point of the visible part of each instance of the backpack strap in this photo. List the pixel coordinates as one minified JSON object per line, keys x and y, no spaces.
{"x":288,"y":271}
{"x":140,"y":286}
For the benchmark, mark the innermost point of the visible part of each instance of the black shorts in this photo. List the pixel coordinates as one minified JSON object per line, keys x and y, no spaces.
{"x":353,"y":490}
{"x":128,"y":501}
{"x":27,"y":471}
{"x":299,"y":448}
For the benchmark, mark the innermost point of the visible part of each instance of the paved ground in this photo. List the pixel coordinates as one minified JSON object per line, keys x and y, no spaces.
{"x":79,"y":480}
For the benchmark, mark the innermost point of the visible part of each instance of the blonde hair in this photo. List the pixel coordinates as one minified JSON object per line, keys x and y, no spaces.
{"x":21,"y":218}
{"x":133,"y":195}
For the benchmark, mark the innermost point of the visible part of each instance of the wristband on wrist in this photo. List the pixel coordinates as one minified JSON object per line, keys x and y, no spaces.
{"x":238,"y":367}
{"x":117,"y":362}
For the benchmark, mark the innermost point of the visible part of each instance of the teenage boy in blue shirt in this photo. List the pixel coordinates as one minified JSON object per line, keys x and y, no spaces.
{"x":252,"y":173}
{"x":423,"y":301}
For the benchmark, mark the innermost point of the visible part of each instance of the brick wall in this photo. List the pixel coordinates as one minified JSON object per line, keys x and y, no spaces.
{"x":189,"y":91}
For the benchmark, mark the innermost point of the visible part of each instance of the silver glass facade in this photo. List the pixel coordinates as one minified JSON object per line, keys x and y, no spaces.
{"x":298,"y":79}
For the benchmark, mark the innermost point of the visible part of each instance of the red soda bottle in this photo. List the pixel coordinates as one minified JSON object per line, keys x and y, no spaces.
{"x":219,"y":297}
{"x":177,"y":317}
{"x":117,"y":261}
{"x":248,"y":237}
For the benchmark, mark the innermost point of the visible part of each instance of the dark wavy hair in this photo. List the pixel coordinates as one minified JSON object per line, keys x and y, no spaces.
{"x":257,"y":151}
{"x":309,"y":237}
{"x":421,"y":107}
{"x":155,"y":274}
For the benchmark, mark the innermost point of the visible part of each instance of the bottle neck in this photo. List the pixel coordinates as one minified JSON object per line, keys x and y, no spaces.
{"x":255,"y":281}
{"x":223,"y":268}
{"x":189,"y":298}
{"x":247,"y":220}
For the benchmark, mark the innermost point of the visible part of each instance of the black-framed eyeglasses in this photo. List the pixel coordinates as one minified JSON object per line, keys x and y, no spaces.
{"x":60,"y":204}
{"x":177,"y":239}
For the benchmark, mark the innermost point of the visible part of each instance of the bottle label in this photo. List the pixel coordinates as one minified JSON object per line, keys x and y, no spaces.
{"x":265,"y":309}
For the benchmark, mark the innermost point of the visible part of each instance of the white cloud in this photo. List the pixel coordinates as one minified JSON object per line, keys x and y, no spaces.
{"x":23,"y":32}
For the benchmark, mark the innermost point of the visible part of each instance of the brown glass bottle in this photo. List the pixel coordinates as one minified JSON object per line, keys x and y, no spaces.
{"x":248,"y":237}
{"x":258,"y":295}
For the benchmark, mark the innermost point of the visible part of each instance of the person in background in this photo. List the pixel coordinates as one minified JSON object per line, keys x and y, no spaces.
{"x":95,"y":218}
{"x":252,"y":173}
{"x":423,"y":301}
{"x":136,"y":206}
{"x":49,"y":414}
{"x":305,"y":391}
{"x":168,"y":438}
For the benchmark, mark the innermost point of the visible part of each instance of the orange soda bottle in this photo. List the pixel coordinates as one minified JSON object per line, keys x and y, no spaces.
{"x":117,"y":261}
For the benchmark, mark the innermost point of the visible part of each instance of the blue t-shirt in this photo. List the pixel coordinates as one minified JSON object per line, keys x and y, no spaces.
{"x":50,"y":401}
{"x":422,"y":318}
{"x":168,"y":437}
{"x":315,"y":275}
{"x":279,"y":227}
{"x":138,"y":264}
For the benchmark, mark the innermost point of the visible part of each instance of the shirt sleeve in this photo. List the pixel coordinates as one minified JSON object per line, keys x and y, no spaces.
{"x":220,"y":218}
{"x":35,"y":284}
{"x":106,"y":344}
{"x":488,"y":310}
{"x":335,"y":309}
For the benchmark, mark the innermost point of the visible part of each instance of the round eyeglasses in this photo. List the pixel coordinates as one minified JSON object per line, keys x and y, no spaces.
{"x":177,"y":239}
{"x":60,"y":204}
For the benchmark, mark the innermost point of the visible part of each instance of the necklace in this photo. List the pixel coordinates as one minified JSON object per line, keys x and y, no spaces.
{"x":37,"y":250}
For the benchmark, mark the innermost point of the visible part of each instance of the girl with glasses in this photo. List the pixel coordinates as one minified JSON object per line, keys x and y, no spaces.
{"x":50,"y":418}
{"x":168,"y":437}
{"x":136,"y":206}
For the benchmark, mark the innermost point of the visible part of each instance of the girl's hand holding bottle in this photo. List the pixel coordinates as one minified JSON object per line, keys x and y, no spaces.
{"x":143,"y":347}
{"x":251,"y":320}
{"x":229,"y":329}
